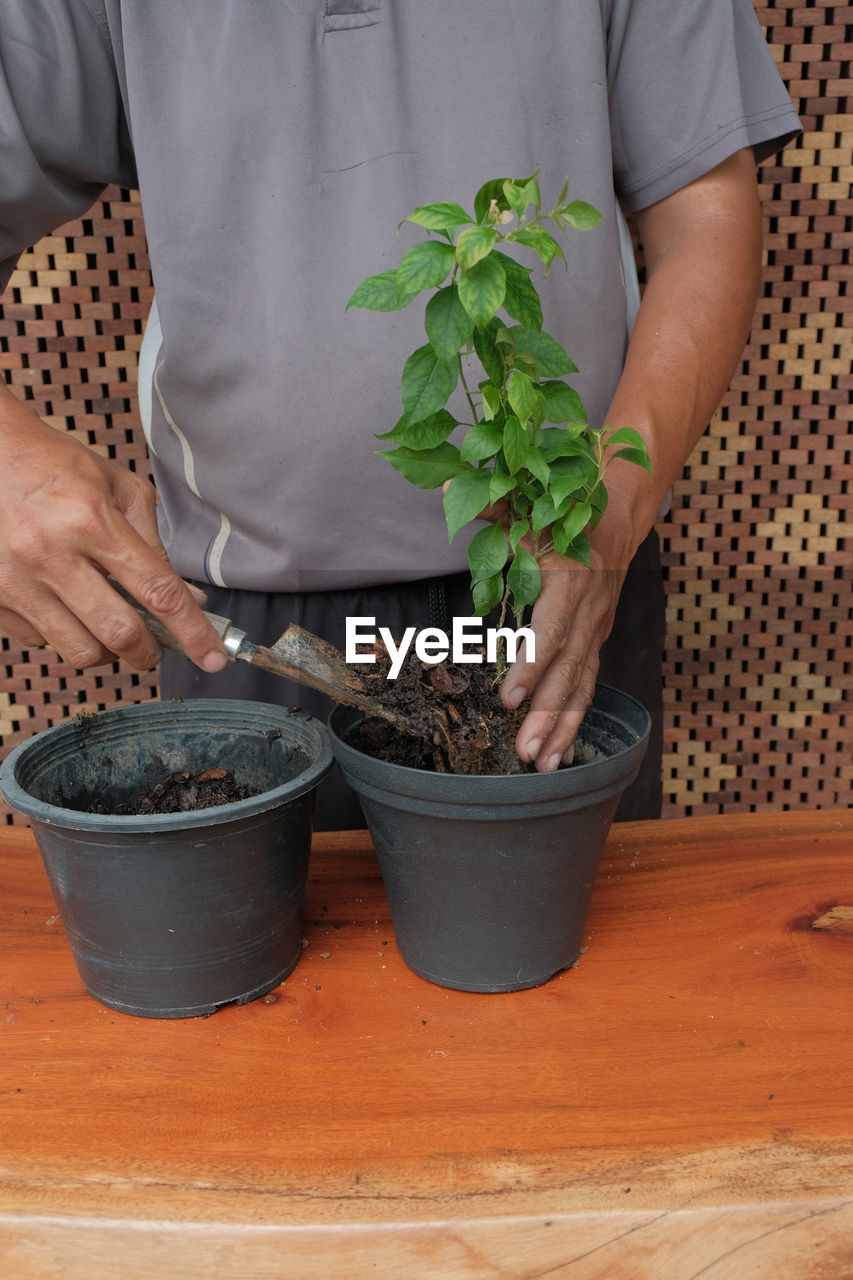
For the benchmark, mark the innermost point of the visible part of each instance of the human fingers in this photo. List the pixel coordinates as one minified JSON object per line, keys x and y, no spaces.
{"x":570,"y":622}
{"x":61,"y":629}
{"x":163,"y":594}
{"x":71,"y":518}
{"x":20,"y":630}
{"x":45,"y":622}
{"x":104,"y":626}
{"x":550,"y":728}
{"x":141,"y":565}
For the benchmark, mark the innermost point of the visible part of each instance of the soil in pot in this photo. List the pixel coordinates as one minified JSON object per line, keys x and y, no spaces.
{"x":466,"y":727}
{"x":183,"y":792}
{"x":176,"y":791}
{"x":186,"y":792}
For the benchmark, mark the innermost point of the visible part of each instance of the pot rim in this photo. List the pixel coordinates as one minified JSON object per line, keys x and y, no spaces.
{"x":313,"y":737}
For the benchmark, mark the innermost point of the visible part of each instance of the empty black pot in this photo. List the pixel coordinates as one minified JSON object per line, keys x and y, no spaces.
{"x":489,"y":878}
{"x":175,"y":915}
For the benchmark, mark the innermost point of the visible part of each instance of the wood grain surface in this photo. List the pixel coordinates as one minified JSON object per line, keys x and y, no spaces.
{"x":678,"y":1105}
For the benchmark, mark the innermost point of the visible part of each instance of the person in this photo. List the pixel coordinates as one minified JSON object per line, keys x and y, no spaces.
{"x":276,"y":148}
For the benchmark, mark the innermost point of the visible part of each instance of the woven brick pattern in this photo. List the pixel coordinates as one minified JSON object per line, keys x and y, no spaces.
{"x":758,"y":547}
{"x":70,"y":331}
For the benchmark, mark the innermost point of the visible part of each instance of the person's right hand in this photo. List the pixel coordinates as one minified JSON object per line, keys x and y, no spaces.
{"x":68,"y":520}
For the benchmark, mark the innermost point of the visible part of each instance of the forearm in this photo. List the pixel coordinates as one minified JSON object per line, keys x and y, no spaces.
{"x":703,"y":250}
{"x":703,"y":253}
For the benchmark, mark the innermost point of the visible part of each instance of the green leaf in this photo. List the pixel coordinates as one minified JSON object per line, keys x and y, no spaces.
{"x":521,"y":300}
{"x":524,"y":580}
{"x":487,"y":594}
{"x":578,"y":550}
{"x":625,"y":435}
{"x":377,"y":293}
{"x":489,"y":354}
{"x":500,"y":485}
{"x":491,"y":401}
{"x":426,"y":384}
{"x":516,"y":444}
{"x":518,"y":530}
{"x":425,"y":266}
{"x":448,"y":326}
{"x":639,"y":456}
{"x":574,"y":477}
{"x":491,"y":190}
{"x":520,"y":194}
{"x":465,"y":497}
{"x":537,"y":466}
{"x":541,"y":241}
{"x":473,"y":244}
{"x":444,"y":216}
{"x":551,"y":359}
{"x":521,"y":395}
{"x":598,"y":502}
{"x":559,"y":443}
{"x":577,"y":214}
{"x":525,"y":363}
{"x":635,"y":452}
{"x":538,"y":410}
{"x":543,"y":512}
{"x":482,"y":289}
{"x":425,"y":434}
{"x":487,"y":552}
{"x":571,"y":484}
{"x":426,"y":468}
{"x":567,"y":529}
{"x":563,"y":403}
{"x":483,"y":441}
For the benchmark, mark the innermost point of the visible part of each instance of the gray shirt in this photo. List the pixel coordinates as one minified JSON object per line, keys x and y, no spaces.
{"x":276,"y":146}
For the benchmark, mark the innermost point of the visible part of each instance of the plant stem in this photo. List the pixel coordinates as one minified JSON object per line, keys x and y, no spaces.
{"x":468,"y":397}
{"x":500,"y":654}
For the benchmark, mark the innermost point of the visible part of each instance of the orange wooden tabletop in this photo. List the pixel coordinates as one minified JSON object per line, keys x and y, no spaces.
{"x":679,"y":1105}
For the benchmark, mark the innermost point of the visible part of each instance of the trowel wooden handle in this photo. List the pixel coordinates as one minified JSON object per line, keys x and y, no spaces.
{"x":230,"y":635}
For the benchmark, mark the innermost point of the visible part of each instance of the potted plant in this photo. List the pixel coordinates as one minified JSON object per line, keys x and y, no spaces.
{"x":175,"y":836}
{"x":489,"y":877}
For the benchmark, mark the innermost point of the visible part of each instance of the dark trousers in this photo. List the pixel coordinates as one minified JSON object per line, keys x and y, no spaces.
{"x":631,"y":659}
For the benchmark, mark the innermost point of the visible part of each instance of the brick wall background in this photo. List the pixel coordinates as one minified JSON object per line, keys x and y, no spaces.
{"x":758,"y":547}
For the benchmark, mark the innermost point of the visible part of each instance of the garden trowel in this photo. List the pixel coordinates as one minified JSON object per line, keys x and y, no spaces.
{"x":296,"y":655}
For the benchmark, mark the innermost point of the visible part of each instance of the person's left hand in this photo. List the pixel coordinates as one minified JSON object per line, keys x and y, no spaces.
{"x":571,"y":620}
{"x":703,"y":257}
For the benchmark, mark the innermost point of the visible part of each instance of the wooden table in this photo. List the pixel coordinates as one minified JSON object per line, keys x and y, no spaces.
{"x":679,"y":1105}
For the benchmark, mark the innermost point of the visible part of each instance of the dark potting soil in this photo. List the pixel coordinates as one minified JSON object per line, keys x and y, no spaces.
{"x":184,"y":792}
{"x":466,"y":728}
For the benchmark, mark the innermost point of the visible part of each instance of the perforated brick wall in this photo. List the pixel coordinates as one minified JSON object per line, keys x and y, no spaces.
{"x":758,"y":548}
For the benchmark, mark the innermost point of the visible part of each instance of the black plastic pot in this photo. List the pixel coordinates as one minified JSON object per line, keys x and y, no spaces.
{"x":175,"y":915}
{"x":489,"y":879}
